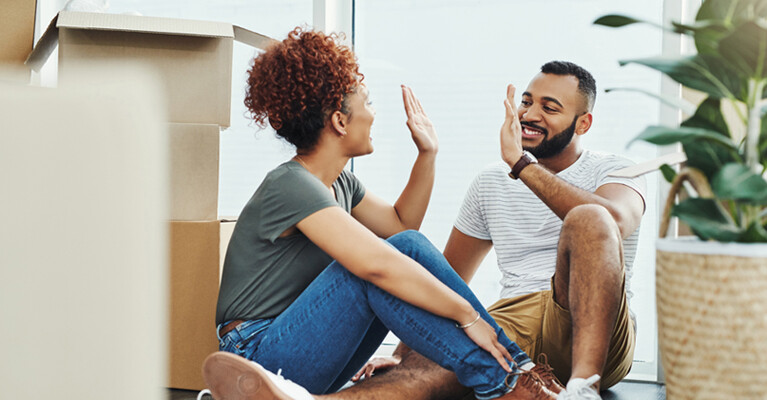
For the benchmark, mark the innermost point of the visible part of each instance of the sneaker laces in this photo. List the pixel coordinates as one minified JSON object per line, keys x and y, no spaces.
{"x":579,"y":388}
{"x":203,"y":393}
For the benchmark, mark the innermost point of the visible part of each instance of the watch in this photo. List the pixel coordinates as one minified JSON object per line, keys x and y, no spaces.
{"x":526,"y":159}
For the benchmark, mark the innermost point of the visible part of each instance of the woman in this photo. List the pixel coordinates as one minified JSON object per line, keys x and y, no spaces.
{"x":309,"y":288}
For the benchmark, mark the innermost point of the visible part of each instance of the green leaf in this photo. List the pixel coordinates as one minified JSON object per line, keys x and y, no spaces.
{"x":709,"y":116}
{"x":731,"y":11}
{"x":746,"y":49}
{"x":673,"y":101}
{"x":706,"y":34}
{"x":716,"y":9}
{"x":736,"y":181}
{"x":754,"y":234}
{"x":706,"y":219}
{"x":663,"y":135}
{"x":699,"y":26}
{"x":727,"y":14}
{"x":615,"y":20}
{"x":707,"y":73}
{"x":704,"y":155}
{"x":708,"y":157}
{"x":668,"y":173}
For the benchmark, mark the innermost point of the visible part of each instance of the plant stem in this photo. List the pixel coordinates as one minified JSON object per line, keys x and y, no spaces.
{"x":754,"y":127}
{"x":753,"y":131}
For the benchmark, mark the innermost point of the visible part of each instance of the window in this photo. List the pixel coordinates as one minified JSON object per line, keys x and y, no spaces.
{"x":459,"y":56}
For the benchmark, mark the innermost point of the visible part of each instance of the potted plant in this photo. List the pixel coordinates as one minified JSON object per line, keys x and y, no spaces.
{"x":712,"y":290}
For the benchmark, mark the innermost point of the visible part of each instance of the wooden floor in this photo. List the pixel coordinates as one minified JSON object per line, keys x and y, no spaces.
{"x":621,"y":391}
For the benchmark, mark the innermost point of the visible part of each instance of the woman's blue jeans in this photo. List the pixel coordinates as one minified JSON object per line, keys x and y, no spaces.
{"x":338,"y":322}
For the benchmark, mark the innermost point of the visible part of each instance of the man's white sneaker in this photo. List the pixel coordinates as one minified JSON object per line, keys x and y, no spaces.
{"x":580,"y":389}
{"x":231,"y":377}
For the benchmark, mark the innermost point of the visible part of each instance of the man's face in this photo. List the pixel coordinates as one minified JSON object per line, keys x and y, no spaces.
{"x":549,"y":114}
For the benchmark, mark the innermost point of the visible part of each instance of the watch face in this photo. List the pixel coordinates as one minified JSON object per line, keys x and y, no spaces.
{"x":530,"y":157}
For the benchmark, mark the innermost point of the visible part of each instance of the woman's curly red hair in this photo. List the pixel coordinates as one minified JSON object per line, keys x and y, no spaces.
{"x":297,"y":83}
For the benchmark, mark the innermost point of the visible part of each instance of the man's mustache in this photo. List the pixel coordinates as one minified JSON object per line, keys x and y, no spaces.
{"x":534,"y":126}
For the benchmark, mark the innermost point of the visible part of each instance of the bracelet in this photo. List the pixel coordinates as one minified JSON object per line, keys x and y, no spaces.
{"x":470,"y":323}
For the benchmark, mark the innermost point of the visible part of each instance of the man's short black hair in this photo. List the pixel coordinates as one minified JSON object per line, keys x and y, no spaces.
{"x":586,"y":83}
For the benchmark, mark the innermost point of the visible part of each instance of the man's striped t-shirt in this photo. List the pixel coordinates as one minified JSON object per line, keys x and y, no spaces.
{"x":524,"y":231}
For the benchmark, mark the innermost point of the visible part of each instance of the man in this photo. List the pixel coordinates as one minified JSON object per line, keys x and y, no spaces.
{"x":559,"y":225}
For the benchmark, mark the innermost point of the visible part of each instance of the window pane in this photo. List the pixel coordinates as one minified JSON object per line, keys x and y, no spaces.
{"x":459,"y":56}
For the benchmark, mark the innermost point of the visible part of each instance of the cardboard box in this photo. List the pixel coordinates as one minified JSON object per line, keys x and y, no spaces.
{"x":83,"y":242}
{"x":196,"y":253}
{"x":17,"y":35}
{"x":194,"y":162}
{"x":194,"y":58}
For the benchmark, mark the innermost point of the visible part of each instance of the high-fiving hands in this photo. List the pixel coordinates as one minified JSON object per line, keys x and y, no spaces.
{"x":511,"y":130}
{"x":421,"y":128}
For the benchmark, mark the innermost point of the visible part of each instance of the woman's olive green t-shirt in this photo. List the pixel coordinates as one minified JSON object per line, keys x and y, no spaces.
{"x":264,"y":273}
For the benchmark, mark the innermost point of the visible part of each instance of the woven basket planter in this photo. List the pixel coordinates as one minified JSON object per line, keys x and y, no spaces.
{"x":712,"y":319}
{"x":712,"y":311}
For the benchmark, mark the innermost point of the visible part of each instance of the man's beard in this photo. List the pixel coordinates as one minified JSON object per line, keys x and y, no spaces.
{"x":551,"y":147}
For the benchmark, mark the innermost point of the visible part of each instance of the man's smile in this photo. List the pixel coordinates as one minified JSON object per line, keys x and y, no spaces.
{"x":530,"y":131}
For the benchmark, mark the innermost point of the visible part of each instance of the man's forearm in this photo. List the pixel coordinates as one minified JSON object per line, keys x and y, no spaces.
{"x":561,"y":196}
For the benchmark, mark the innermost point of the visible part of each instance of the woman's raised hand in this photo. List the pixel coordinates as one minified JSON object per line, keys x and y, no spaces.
{"x":485,"y":337}
{"x":421,"y":128}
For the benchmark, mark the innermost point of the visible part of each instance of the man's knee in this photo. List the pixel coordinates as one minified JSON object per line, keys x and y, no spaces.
{"x":590,"y":222}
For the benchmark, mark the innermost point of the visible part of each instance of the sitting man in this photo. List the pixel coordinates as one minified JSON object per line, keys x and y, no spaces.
{"x":560,"y":226}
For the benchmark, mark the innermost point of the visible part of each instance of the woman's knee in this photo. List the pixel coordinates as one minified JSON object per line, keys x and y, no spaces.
{"x":407,"y":239}
{"x":416,"y":246}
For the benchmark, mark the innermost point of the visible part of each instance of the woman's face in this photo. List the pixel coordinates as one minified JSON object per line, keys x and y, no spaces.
{"x":361,"y":115}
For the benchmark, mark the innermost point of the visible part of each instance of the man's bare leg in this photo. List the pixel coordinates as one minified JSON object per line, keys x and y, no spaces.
{"x":415,"y":378}
{"x":587,"y":281}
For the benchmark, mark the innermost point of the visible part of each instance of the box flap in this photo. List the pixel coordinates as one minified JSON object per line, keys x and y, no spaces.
{"x":136,"y":23}
{"x":44,"y":47}
{"x":251,"y":38}
{"x":649,"y":166}
{"x":133,"y":23}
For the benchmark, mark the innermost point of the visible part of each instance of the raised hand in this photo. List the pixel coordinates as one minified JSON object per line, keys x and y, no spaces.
{"x":511,"y":130}
{"x":421,"y":128}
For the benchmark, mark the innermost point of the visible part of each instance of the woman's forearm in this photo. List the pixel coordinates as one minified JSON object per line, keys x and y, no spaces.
{"x":404,"y":278}
{"x":414,"y":199}
{"x":371,"y":259}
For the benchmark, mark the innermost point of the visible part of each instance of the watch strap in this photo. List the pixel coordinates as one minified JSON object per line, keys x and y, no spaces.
{"x":523,"y":162}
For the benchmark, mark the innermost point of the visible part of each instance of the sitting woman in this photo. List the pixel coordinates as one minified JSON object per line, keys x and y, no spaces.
{"x":309,"y":288}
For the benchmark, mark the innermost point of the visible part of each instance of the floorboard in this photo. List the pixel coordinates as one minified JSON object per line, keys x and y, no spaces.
{"x":621,"y":391}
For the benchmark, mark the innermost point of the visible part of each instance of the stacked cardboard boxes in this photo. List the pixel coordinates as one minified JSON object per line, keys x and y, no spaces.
{"x":17,"y":28}
{"x":194,"y":60}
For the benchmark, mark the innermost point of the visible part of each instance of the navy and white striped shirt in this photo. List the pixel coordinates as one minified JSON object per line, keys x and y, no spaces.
{"x":523,"y":229}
